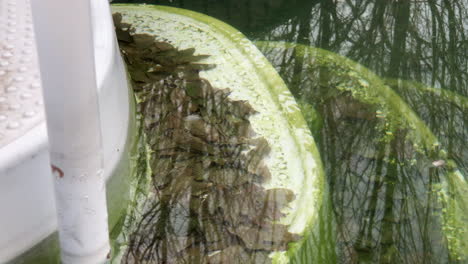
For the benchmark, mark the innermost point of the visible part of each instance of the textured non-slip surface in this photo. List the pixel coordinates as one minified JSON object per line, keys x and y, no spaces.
{"x":20,"y":89}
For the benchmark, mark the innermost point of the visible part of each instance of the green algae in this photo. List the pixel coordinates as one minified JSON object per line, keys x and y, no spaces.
{"x":261,"y":84}
{"x":444,"y":95}
{"x":393,"y":116}
{"x":313,"y":118}
{"x":453,"y":191}
{"x":365,"y":87}
{"x":444,"y":112}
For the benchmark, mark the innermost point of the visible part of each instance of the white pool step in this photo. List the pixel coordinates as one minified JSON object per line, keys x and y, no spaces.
{"x":27,"y":208}
{"x":20,"y":95}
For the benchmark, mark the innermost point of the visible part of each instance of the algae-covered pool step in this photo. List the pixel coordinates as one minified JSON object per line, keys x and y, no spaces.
{"x":221,"y":83}
{"x":445,"y":113}
{"x":363,"y":112}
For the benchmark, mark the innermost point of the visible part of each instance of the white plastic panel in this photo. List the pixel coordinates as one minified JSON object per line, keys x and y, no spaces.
{"x":27,"y":210}
{"x":20,"y":93}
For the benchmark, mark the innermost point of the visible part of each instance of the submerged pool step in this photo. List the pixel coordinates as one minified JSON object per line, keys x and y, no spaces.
{"x":246,"y":77}
{"x":364,"y":98}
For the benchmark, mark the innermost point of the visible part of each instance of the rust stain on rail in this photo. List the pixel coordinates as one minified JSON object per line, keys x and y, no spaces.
{"x":57,"y":170}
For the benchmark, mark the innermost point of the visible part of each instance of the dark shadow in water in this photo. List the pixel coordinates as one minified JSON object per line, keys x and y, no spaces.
{"x":425,"y":41}
{"x":250,"y":17}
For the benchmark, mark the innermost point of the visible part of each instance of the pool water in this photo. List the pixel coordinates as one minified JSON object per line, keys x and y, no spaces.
{"x":384,"y":86}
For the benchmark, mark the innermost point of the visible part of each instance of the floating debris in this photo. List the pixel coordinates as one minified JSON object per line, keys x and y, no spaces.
{"x":438,"y":163}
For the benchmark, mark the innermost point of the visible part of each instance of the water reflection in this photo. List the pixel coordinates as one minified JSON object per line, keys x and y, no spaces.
{"x":206,"y":165}
{"x":382,"y":162}
{"x":425,"y":41}
{"x":445,"y":112}
{"x":385,"y":179}
{"x":250,"y":17}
